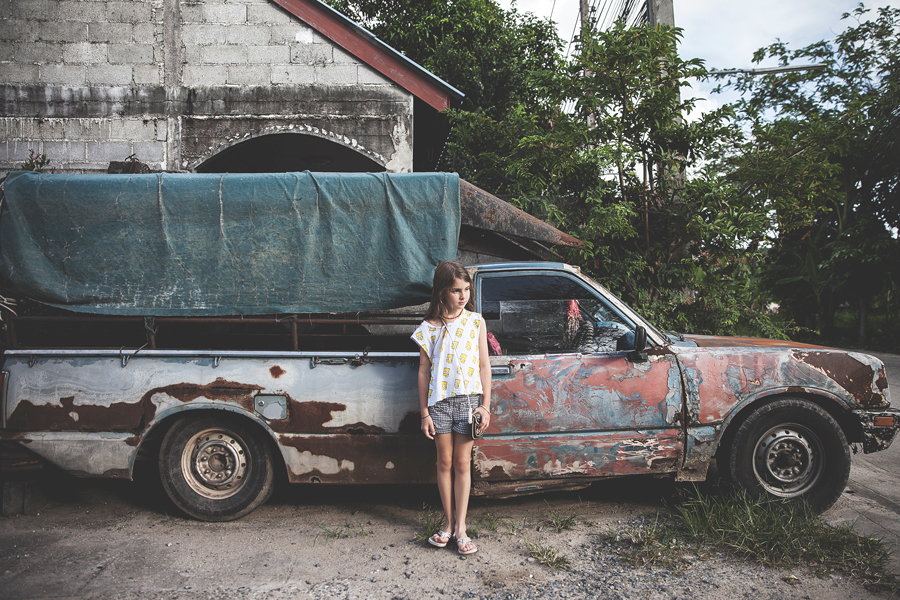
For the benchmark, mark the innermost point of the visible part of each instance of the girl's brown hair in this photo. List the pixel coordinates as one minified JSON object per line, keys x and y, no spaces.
{"x":445,"y":275}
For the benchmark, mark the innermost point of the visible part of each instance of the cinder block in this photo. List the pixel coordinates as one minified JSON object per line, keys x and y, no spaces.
{"x":202,"y":34}
{"x":132,"y":54}
{"x":345,"y":58}
{"x":120,"y":33}
{"x":198,"y":75}
{"x":50,"y":129}
{"x":269,"y":13}
{"x":336,"y":74}
{"x":191,"y":13}
{"x":87,"y":12}
{"x":223,"y":55}
{"x":309,"y":54}
{"x":85,"y":52}
{"x":249,"y":75}
{"x":20,"y":73}
{"x":247,"y":35}
{"x":128,"y":12}
{"x":146,"y":75}
{"x":149,"y":152}
{"x":162,"y":130}
{"x":83,"y":130}
{"x":269,"y":55}
{"x":7,"y":52}
{"x":62,"y":74}
{"x":60,"y":152}
{"x":224,"y":13}
{"x":18,"y":29}
{"x":293,"y":74}
{"x":63,"y":31}
{"x":48,"y":9}
{"x":369,"y":76}
{"x":138,"y":130}
{"x":147,"y":33}
{"x":295,"y":33}
{"x":109,"y":74}
{"x":103,"y":152}
{"x":39,"y":52}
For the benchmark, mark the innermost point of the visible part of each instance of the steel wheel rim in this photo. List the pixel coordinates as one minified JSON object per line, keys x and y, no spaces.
{"x":788,"y":460}
{"x":214,"y":463}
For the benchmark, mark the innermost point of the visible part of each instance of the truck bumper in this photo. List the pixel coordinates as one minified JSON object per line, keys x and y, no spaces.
{"x":879,"y":427}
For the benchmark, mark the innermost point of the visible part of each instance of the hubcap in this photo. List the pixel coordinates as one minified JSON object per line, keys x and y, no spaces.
{"x":214,"y":463}
{"x":788,"y":460}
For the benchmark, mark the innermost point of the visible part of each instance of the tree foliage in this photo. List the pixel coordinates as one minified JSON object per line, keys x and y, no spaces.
{"x":822,"y":152}
{"x":700,"y":223}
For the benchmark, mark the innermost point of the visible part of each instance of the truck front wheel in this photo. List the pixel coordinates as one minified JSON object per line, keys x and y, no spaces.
{"x":216,"y":468}
{"x":791,"y":449}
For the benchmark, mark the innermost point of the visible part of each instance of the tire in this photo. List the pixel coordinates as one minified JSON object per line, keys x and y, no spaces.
{"x":216,"y":468}
{"x":791,"y":449}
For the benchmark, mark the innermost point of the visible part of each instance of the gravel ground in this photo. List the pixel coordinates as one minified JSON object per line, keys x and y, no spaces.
{"x":117,"y":540}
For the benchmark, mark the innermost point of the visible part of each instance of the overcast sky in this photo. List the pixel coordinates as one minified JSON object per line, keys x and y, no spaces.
{"x":725,"y":33}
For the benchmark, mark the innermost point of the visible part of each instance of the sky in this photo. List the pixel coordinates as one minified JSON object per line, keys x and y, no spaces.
{"x":726,"y":33}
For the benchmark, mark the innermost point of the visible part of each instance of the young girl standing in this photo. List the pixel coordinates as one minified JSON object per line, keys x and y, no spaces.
{"x":454,"y":383}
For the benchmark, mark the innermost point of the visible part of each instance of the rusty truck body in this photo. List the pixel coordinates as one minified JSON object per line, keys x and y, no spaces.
{"x":584,"y":388}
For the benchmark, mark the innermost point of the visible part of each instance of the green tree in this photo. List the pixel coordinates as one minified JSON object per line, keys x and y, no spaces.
{"x":822,"y":154}
{"x":476,"y":46}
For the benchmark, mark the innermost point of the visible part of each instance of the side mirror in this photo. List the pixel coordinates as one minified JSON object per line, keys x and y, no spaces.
{"x":637,"y":353}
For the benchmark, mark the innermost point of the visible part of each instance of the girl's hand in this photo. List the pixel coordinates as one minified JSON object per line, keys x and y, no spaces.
{"x":485,"y":418}
{"x":428,"y":427}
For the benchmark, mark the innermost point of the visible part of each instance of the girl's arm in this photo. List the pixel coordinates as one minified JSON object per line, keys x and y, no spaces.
{"x":424,"y":380}
{"x":484,"y":360}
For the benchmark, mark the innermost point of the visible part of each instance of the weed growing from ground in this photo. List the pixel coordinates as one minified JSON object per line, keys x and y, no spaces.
{"x":559,"y":521}
{"x":430,"y":522}
{"x":775,"y":534}
{"x":548,"y":555}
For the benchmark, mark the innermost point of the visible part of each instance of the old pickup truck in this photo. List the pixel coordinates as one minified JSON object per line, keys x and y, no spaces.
{"x":584,"y":388}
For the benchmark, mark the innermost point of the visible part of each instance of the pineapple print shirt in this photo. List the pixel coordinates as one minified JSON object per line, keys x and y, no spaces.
{"x":455,"y":365}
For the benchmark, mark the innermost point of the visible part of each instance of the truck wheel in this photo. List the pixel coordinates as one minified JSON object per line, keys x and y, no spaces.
{"x":791,"y":449}
{"x":216,"y":468}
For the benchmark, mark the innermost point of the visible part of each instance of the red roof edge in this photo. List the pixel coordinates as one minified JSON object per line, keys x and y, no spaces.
{"x":370,"y":51}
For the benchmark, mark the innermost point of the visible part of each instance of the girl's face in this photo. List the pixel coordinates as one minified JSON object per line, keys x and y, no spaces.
{"x":457,"y":296}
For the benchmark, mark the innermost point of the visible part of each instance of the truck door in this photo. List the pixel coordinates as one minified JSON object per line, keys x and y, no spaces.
{"x":568,"y":401}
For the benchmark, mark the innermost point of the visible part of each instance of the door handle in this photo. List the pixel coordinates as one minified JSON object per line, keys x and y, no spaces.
{"x":503,"y":370}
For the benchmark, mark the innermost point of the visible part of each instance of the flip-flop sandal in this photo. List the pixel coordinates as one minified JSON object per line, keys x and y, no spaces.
{"x":434,"y":540}
{"x":462,"y":543}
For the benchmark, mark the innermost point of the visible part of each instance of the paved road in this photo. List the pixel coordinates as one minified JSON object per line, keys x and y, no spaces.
{"x":871,"y":502}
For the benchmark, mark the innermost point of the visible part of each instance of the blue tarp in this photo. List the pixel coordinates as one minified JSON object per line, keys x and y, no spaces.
{"x":226,"y":244}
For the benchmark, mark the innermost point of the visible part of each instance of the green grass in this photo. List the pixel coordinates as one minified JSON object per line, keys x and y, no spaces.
{"x":430,"y":522}
{"x":548,"y":555}
{"x":559,"y":520}
{"x":774,"y":534}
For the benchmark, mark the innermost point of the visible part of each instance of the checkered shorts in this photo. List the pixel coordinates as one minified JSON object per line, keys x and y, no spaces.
{"x":452,"y":414}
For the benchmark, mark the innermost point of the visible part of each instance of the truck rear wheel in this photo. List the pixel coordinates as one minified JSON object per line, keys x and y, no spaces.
{"x":216,"y":468}
{"x":791,"y":449}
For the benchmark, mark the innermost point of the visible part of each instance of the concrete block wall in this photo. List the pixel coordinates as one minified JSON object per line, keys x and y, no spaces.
{"x":90,"y":81}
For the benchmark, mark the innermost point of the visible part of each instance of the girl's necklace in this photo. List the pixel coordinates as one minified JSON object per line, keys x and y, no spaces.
{"x":456,"y":317}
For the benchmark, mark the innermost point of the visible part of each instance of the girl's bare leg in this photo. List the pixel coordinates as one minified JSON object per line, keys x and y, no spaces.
{"x":462,"y":481}
{"x":444,"y":444}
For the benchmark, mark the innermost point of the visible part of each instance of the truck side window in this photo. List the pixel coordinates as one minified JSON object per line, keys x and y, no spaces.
{"x":549,"y":314}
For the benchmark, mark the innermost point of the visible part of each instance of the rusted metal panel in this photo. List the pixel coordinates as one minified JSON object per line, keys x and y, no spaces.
{"x":598,"y":454}
{"x":879,"y":428}
{"x":347,"y":458}
{"x":572,"y":415}
{"x":719,"y":381}
{"x":486,"y":211}
{"x":88,"y":412}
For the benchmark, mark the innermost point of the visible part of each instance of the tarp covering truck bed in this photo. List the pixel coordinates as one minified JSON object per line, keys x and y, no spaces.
{"x":215,"y":244}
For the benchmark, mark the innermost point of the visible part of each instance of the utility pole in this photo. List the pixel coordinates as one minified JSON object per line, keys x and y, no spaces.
{"x":662,"y":12}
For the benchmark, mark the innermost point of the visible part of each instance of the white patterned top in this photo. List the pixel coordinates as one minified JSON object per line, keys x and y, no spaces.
{"x":456,"y":366}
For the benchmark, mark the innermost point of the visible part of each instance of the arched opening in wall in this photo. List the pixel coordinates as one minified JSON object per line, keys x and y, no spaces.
{"x":288,"y":152}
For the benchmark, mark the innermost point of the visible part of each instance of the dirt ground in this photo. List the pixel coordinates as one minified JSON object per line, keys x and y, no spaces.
{"x":119,"y":540}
